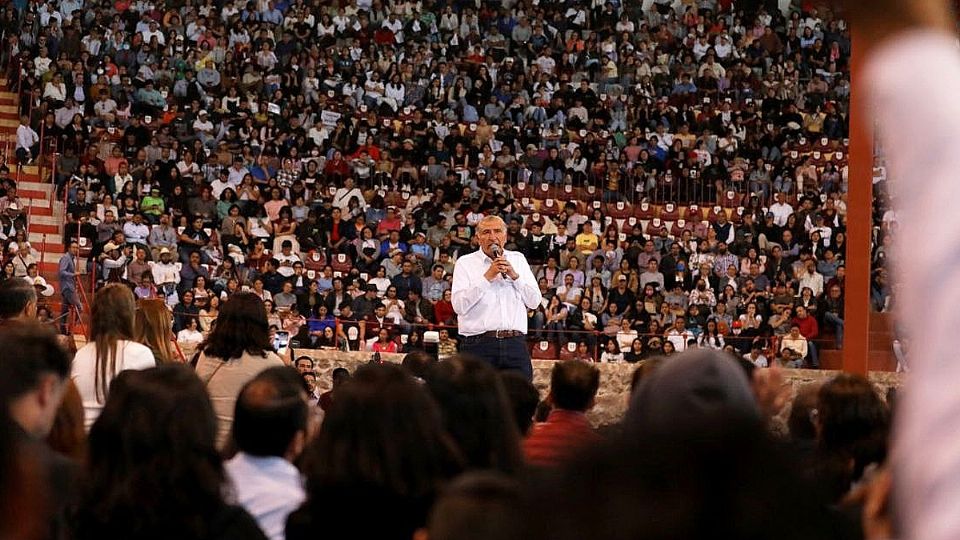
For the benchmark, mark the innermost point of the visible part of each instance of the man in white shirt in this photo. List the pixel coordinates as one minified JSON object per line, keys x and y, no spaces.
{"x":341,"y":198}
{"x":492,"y":291}
{"x":203,"y":128}
{"x":28,"y":142}
{"x":42,"y":63}
{"x":395,"y":25}
{"x":236,"y":172}
{"x":780,"y":209}
{"x":105,"y":108}
{"x":287,"y":258}
{"x":218,"y":186}
{"x":166,"y":273}
{"x":811,"y":278}
{"x":269,"y":431}
{"x":678,"y":335}
{"x":569,"y":293}
{"x":136,"y":231}
{"x":153,"y":31}
{"x":64,"y":115}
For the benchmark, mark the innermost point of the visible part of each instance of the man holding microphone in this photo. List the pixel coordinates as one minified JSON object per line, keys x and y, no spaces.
{"x":492,"y":290}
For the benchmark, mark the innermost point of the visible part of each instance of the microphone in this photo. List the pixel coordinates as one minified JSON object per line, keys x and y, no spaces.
{"x":497,"y":252}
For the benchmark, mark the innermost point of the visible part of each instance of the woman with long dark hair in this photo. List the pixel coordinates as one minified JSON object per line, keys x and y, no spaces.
{"x":153,"y":471}
{"x":853,"y":426}
{"x":237,"y":349}
{"x":382,"y":447}
{"x":112,"y":348}
{"x":476,"y":413}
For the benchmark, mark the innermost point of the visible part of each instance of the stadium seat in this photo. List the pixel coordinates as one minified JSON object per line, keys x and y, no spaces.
{"x":341,"y":263}
{"x":550,"y":208}
{"x":543,"y":191}
{"x":679,"y":226}
{"x":544,"y":350}
{"x":736,"y":216}
{"x":590,"y":193}
{"x":693,"y":213}
{"x":715,"y":212}
{"x":619,"y":212}
{"x":86,"y":246}
{"x":521,"y":190}
{"x":670,"y":212}
{"x":732,"y":199}
{"x":568,"y":351}
{"x":315,"y":260}
{"x":656,"y":227}
{"x":526,"y":205}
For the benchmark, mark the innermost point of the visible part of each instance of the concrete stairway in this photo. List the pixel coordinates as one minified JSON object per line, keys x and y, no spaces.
{"x":881,"y":346}
{"x":46,"y":213}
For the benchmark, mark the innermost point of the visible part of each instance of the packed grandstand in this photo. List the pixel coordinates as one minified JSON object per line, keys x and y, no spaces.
{"x":259,"y":203}
{"x":675,"y":173}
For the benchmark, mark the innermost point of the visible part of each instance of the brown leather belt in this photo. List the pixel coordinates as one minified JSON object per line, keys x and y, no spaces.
{"x":499,"y":334}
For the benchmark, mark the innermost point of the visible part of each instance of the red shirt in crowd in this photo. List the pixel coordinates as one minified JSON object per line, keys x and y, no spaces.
{"x":560,"y":437}
{"x":808,"y":326}
{"x":442,"y":311}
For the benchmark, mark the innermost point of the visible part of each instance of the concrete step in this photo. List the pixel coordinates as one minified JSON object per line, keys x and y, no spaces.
{"x":37,"y":238}
{"x":38,"y":202}
{"x":880,"y":341}
{"x":48,"y":220}
{"x":33,"y":184}
{"x":47,"y":244}
{"x":24,"y":173}
{"x":877,"y":361}
{"x":52,"y":256}
{"x":881,"y":322}
{"x":23,"y":177}
{"x":39,"y":207}
{"x":45,"y":228}
{"x":33,"y":193}
{"x":882,"y":361}
{"x":831,"y":359}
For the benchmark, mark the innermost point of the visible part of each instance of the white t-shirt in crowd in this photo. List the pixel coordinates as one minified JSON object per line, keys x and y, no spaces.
{"x":130,"y":355}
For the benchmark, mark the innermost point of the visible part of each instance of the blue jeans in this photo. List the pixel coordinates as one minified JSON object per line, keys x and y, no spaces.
{"x":68,"y":300}
{"x":837,"y":323}
{"x":536,"y":324}
{"x":812,"y":354}
{"x":510,"y":354}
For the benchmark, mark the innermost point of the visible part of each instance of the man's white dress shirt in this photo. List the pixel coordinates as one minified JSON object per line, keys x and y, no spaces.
{"x":501,"y":304}
{"x":270,"y":488}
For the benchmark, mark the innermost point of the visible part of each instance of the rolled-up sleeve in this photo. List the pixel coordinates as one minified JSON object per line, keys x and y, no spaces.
{"x":526,"y":283}
{"x":467,"y":289}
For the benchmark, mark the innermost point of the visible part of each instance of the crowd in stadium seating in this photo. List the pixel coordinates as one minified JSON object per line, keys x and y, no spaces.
{"x":121,"y":441}
{"x":675,"y":172}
